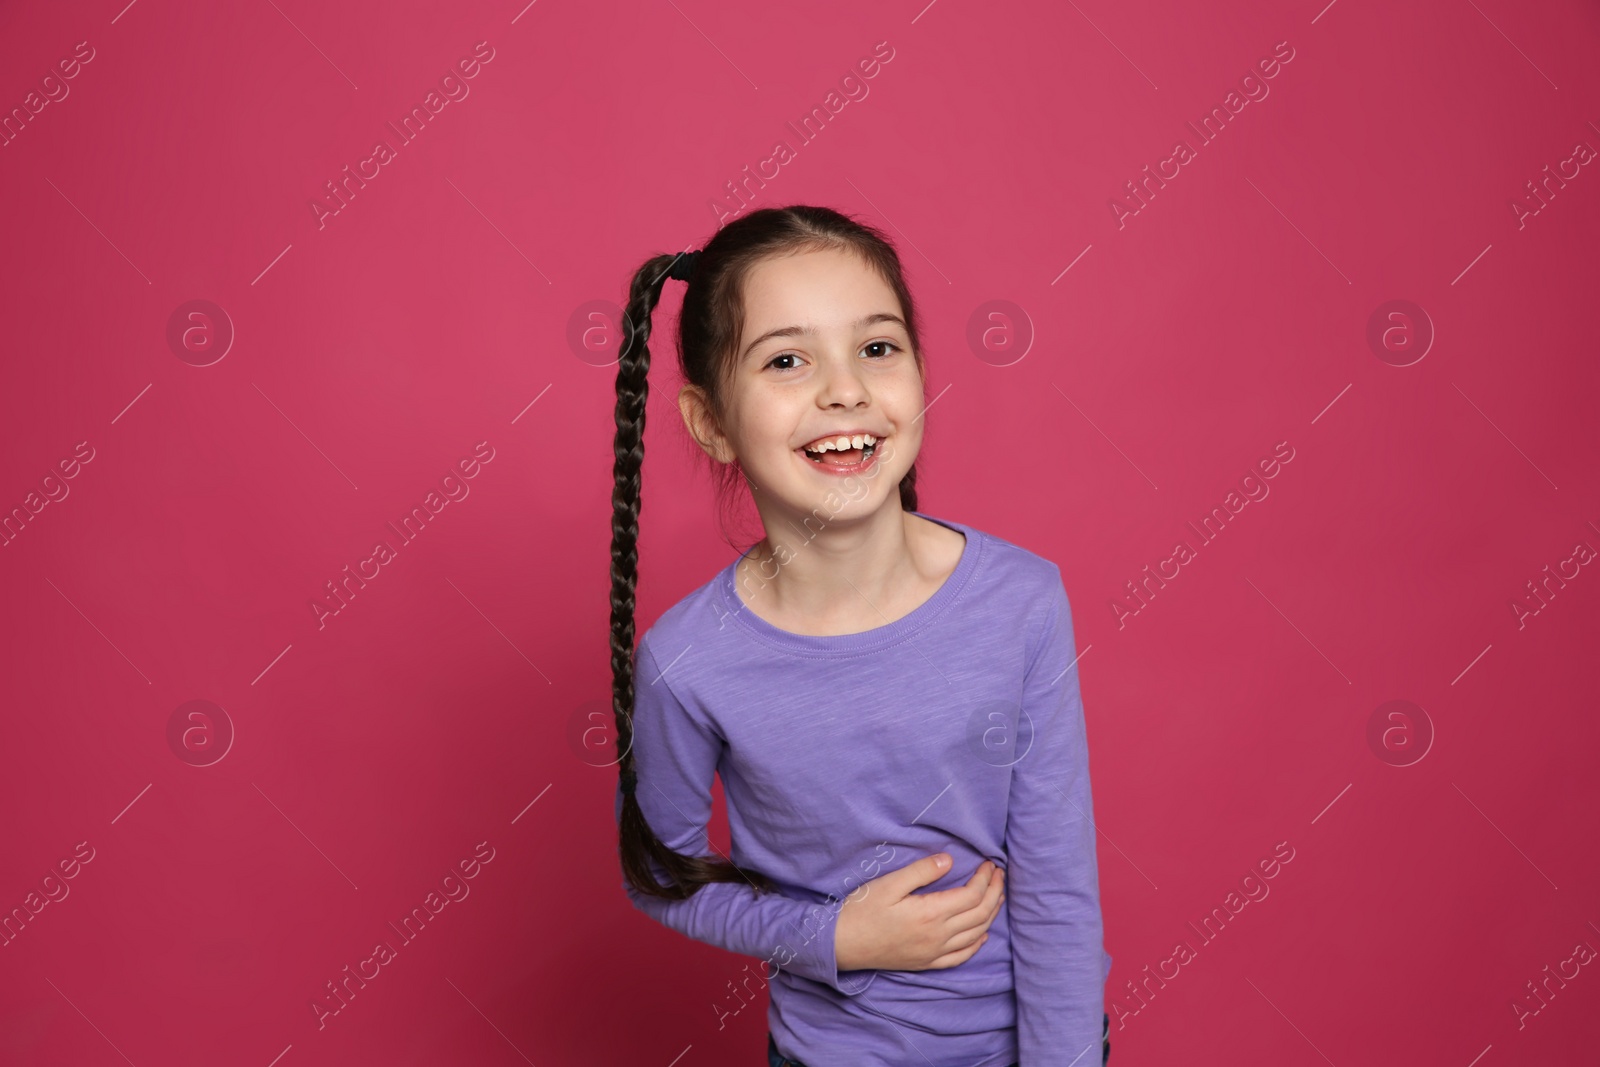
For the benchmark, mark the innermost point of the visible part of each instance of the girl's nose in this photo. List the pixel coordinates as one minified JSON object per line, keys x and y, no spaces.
{"x":841,"y":383}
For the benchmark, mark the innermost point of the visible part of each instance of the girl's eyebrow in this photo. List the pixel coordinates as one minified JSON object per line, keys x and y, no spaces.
{"x":796,"y":331}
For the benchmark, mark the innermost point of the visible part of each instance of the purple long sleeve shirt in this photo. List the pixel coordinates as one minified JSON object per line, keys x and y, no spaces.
{"x":957,"y":728}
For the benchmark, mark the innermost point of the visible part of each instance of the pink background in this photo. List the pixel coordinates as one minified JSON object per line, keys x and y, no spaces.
{"x":443,"y":707}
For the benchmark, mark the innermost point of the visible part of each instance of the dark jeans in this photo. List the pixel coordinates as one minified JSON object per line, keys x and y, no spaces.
{"x":775,"y":1059}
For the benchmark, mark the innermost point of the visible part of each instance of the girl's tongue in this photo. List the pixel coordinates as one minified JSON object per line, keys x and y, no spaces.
{"x":842,"y":459}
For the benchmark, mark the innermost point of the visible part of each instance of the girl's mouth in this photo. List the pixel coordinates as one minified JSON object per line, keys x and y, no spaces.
{"x":845,"y":461}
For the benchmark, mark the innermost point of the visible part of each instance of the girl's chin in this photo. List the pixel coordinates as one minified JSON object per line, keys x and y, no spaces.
{"x":852,"y":494}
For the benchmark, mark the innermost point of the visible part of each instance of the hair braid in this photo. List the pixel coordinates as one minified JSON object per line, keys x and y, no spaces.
{"x":640,"y":846}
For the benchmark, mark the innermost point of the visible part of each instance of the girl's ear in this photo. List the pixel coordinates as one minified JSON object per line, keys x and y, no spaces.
{"x":702,"y":424}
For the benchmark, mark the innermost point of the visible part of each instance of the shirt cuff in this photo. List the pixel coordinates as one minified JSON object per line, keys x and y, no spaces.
{"x":816,"y":958}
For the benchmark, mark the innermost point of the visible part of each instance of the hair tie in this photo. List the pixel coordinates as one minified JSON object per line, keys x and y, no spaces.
{"x":629,"y":780}
{"x":683,"y":266}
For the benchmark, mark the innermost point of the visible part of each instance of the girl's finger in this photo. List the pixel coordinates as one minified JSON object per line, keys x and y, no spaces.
{"x":980,"y":913}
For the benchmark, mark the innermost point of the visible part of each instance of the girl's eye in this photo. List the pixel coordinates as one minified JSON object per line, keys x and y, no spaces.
{"x":890,"y":345}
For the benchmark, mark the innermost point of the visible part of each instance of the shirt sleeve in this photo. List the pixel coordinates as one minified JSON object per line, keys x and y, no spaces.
{"x":1052,"y":879}
{"x":675,"y":757}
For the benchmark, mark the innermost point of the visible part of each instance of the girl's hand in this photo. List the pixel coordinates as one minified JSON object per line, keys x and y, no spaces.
{"x":885,"y":926}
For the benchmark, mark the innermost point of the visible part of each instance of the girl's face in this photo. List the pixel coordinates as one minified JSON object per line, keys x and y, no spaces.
{"x":824,"y":354}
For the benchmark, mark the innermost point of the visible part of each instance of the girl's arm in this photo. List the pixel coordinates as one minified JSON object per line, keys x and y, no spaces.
{"x":676,"y":756}
{"x":1052,"y":881}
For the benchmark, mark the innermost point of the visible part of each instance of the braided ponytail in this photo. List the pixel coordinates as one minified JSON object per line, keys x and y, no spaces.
{"x":639,"y":844}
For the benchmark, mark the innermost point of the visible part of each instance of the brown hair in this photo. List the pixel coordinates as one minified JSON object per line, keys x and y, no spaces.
{"x":709,"y":327}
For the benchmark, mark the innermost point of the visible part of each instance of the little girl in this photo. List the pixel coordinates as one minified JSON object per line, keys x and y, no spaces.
{"x":891,"y":698}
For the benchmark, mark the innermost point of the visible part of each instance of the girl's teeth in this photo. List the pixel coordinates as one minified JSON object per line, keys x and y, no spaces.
{"x":842,"y":444}
{"x":868,"y":449}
